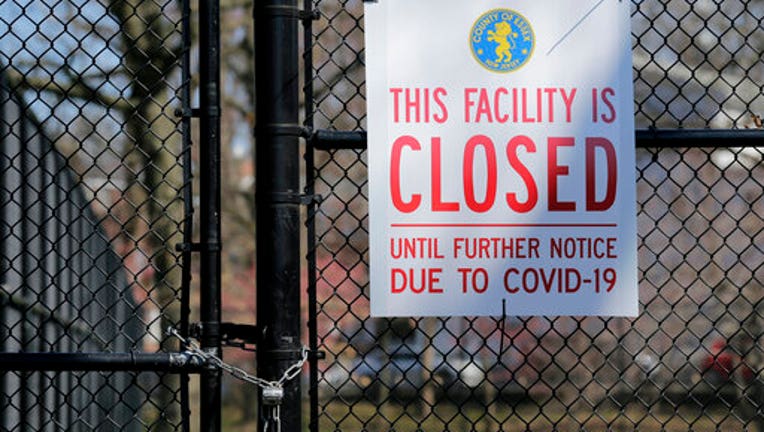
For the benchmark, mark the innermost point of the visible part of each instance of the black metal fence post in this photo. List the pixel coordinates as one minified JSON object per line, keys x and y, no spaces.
{"x":188,"y":205}
{"x":209,"y":126}
{"x":310,"y":189}
{"x":278,"y":199}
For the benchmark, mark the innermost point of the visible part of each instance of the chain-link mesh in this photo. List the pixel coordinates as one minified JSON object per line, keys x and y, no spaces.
{"x":692,"y":360}
{"x":91,"y":208}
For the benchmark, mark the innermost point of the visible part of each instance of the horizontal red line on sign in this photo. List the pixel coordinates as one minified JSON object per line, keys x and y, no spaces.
{"x":503,"y":225}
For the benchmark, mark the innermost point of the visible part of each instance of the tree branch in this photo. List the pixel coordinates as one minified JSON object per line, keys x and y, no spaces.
{"x":75,"y":89}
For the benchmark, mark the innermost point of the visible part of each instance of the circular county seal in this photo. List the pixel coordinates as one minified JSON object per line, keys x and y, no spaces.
{"x":502,"y":40}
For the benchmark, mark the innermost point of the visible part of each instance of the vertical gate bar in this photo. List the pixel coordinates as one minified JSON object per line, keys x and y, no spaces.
{"x":310,"y":190}
{"x":44,"y":192}
{"x":758,"y":362}
{"x":58,"y":334}
{"x":277,"y":133}
{"x":209,"y":190}
{"x":25,"y":271}
{"x":188,"y":207}
{"x":68,"y":341}
{"x":4,"y":266}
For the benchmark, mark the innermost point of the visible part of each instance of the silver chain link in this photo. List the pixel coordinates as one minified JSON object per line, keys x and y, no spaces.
{"x":272,"y":409}
{"x":275,"y":416}
{"x":291,"y":373}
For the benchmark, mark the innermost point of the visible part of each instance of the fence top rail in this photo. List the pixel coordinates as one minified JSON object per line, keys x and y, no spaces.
{"x":645,"y":138}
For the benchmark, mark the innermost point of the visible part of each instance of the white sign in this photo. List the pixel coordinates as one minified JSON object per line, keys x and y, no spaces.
{"x":501,"y":158}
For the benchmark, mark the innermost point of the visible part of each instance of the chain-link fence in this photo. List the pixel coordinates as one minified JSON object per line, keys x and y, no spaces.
{"x":692,"y":359}
{"x":51,"y":239}
{"x":95,"y":237}
{"x":94,"y":187}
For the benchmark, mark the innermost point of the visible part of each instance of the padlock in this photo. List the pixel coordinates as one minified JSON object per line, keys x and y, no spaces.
{"x":273,"y":395}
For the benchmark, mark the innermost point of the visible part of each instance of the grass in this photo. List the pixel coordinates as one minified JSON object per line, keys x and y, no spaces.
{"x":499,"y":416}
{"x":365,"y":416}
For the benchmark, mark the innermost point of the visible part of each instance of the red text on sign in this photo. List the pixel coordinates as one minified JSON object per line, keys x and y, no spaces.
{"x":518,"y":105}
{"x":417,"y":281}
{"x":419,"y":105}
{"x":481,"y":201}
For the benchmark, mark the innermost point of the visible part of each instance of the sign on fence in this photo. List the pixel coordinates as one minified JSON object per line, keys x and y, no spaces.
{"x":501,"y":158}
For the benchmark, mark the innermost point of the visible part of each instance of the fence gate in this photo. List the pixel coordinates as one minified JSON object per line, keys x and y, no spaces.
{"x":693,"y":358}
{"x":96,"y":199}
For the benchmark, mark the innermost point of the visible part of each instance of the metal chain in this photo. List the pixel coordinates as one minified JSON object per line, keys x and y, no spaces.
{"x":275,"y":417}
{"x":271,"y":406}
{"x":289,"y":374}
